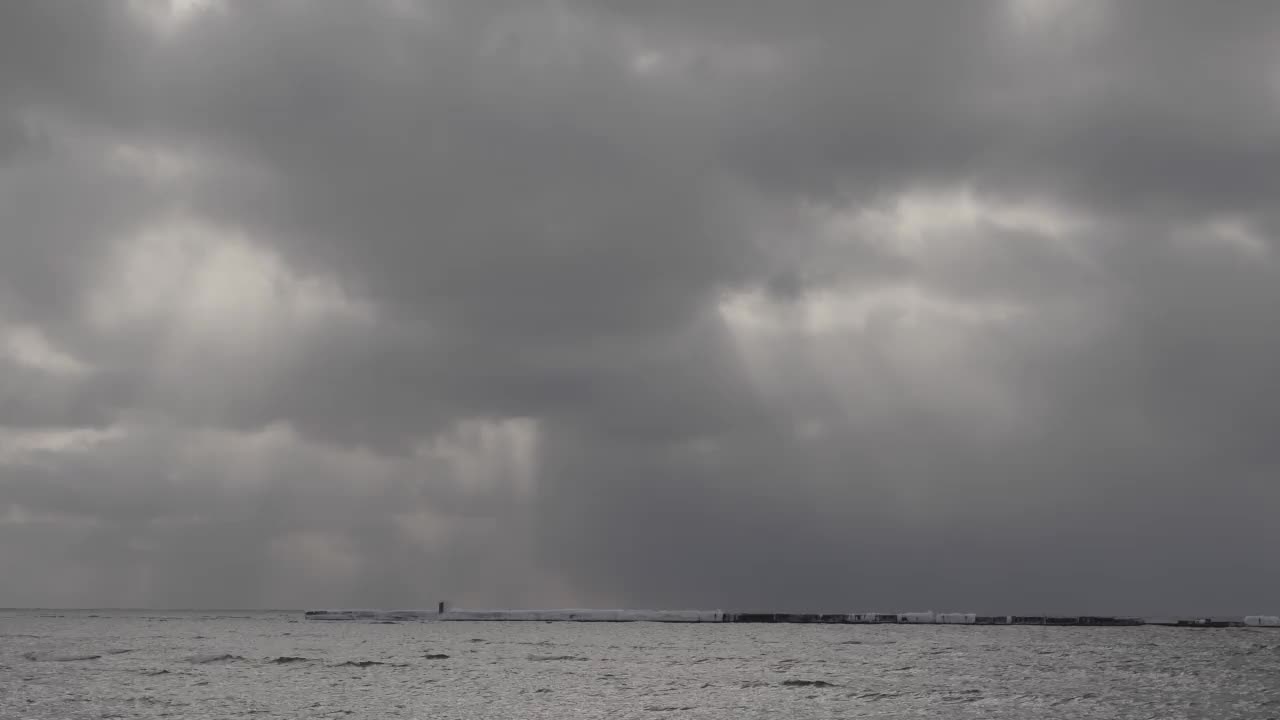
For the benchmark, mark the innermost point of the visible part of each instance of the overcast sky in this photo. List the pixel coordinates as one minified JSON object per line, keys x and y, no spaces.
{"x":795,"y":305}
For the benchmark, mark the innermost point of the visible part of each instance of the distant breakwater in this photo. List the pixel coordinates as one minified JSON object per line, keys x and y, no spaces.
{"x":446,"y":614}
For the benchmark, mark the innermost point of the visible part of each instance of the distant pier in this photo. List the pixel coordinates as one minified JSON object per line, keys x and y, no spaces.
{"x":443,"y":613}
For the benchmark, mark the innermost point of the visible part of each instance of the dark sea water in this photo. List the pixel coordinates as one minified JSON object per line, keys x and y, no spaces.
{"x":111,"y":664}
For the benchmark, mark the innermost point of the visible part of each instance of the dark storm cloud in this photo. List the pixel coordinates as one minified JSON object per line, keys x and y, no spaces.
{"x":816,"y":304}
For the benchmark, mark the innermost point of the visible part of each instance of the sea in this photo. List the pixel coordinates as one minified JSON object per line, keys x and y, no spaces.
{"x":226,"y":664}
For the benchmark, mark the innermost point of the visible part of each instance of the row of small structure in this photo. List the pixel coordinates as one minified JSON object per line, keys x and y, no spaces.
{"x":443,"y":613}
{"x":931,"y":618}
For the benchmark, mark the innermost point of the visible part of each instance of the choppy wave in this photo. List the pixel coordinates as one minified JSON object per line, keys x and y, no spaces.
{"x":266,"y":666}
{"x":207,"y":658}
{"x":59,"y":657}
{"x":367,"y":663}
{"x":552,"y":658}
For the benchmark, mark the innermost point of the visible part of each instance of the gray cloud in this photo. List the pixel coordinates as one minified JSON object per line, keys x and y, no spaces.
{"x":828,"y":305}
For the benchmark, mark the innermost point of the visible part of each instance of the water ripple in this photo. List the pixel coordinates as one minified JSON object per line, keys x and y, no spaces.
{"x":225,"y":665}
